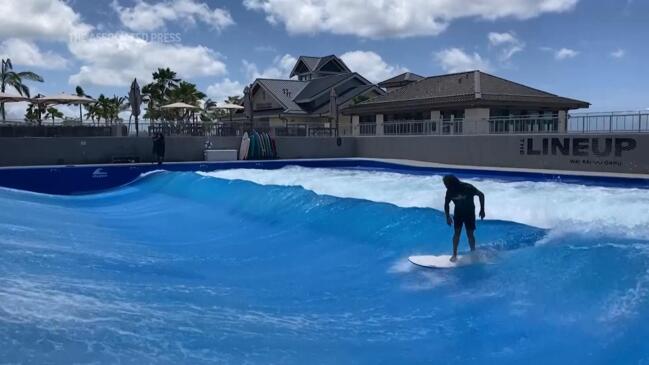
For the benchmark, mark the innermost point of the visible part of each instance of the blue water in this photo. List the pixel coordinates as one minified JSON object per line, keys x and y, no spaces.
{"x":194,"y":269}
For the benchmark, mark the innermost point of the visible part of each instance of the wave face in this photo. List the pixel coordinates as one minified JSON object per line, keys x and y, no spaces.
{"x":311,"y":267}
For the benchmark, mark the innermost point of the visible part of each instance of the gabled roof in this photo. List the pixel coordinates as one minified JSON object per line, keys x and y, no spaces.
{"x":403,"y":79}
{"x":294,"y":95}
{"x":473,"y":87}
{"x":347,"y":96}
{"x":317,"y":86}
{"x":284,"y":91}
{"x":314,"y":64}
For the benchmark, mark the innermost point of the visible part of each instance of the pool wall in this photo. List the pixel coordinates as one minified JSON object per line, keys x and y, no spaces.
{"x":601,"y":153}
{"x":68,"y":180}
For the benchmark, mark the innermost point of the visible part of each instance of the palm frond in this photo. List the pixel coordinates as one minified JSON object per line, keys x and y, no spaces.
{"x":28,"y":75}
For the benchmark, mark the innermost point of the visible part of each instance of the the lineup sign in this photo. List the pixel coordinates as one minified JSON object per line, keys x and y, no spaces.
{"x":606,"y":150}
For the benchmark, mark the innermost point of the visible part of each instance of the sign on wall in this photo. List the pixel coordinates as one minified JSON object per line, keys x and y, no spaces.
{"x":600,"y":151}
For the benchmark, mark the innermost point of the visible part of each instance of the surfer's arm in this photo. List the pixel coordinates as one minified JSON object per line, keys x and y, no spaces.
{"x":447,"y":208}
{"x":481,"y":198}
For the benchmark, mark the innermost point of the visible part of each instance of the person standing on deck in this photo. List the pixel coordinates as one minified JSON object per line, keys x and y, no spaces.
{"x":461,"y":194}
{"x":159,"y":147}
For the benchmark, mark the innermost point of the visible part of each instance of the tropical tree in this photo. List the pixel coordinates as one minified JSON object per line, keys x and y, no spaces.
{"x":34,"y":112}
{"x":157,"y":92}
{"x":80,"y":92}
{"x":208,"y":113}
{"x":52,"y":112}
{"x":13,"y":79}
{"x":107,"y":108}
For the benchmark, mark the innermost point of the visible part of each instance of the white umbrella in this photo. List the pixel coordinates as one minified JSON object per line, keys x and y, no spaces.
{"x":9,"y":98}
{"x":64,"y":98}
{"x":179,"y":106}
{"x":230,"y":107}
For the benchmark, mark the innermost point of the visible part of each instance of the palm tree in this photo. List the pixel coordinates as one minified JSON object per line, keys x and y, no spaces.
{"x":107,"y":108}
{"x":80,"y":92}
{"x":157,"y":92}
{"x":35,"y":111}
{"x":186,"y":92}
{"x":207,"y":112}
{"x":52,"y":112}
{"x":11,"y":78}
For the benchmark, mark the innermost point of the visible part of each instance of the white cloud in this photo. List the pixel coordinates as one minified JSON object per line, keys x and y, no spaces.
{"x":370,"y":65}
{"x":565,"y":53}
{"x":508,"y":44}
{"x":619,"y":53}
{"x":40,"y":19}
{"x":220,"y":91}
{"x":397,"y":18}
{"x":26,"y":53}
{"x":456,"y":60}
{"x":279,"y":69}
{"x":115,"y":61}
{"x":148,"y":17}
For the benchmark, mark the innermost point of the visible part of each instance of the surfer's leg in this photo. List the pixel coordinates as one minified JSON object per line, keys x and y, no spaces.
{"x":456,"y":234}
{"x":469,"y":224}
{"x":471,"y":237}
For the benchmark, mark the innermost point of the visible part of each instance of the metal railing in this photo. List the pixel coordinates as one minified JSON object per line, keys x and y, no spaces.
{"x":618,"y":122}
{"x":367,"y":129}
{"x":576,"y":123}
{"x":460,"y":126}
{"x":523,"y":125}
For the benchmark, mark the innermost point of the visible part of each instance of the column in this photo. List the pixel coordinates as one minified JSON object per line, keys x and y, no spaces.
{"x":379,"y":124}
{"x":476,"y":121}
{"x":435,"y":118}
{"x":356,"y":125}
{"x":563,"y":121}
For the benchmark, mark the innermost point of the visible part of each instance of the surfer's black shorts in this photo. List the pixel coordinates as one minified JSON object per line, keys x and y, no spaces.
{"x":467,"y":220}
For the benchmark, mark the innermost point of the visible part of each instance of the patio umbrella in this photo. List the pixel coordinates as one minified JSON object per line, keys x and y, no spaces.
{"x":135,"y":99}
{"x":180,"y":105}
{"x":10,"y":98}
{"x":230,"y":107}
{"x":64,"y":98}
{"x":333,"y":106}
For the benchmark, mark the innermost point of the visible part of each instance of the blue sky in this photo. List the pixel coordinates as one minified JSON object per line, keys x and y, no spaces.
{"x":593,"y":50}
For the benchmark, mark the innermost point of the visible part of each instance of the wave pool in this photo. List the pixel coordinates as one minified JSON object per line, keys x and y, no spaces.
{"x":309,"y":266}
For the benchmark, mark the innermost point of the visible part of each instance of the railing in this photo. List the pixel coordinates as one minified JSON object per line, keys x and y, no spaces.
{"x":459,"y":126}
{"x":367,"y":129}
{"x":619,"y":122}
{"x":575,"y":123}
{"x":523,"y":125}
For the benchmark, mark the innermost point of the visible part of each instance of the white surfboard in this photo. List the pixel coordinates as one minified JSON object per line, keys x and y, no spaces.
{"x":442,"y":261}
{"x":245,"y":144}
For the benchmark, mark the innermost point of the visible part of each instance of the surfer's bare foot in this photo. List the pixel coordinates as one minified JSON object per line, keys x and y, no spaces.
{"x":453,"y":258}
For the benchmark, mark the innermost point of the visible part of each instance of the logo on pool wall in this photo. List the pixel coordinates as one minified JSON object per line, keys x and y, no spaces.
{"x":99,"y":173}
{"x":577,"y":147}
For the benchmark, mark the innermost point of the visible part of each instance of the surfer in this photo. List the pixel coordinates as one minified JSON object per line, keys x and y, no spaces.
{"x":159,"y":147}
{"x":461,"y":194}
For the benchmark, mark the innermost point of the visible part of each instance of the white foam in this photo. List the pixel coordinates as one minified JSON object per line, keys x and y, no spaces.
{"x":560,"y":206}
